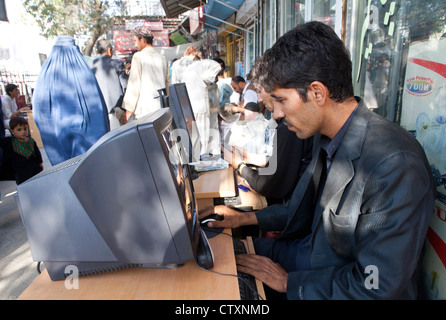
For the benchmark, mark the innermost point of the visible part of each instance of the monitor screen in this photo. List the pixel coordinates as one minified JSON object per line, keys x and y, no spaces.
{"x":125,"y":203}
{"x":184,"y":120}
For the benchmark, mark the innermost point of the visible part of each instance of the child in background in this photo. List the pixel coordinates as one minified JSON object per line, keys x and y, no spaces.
{"x":21,"y":156}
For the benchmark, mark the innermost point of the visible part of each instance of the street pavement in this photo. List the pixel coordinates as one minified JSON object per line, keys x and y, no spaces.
{"x":17,"y":268}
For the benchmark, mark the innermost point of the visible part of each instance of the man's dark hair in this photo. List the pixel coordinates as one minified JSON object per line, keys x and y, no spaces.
{"x":310,"y":52}
{"x":220,"y":61}
{"x":223,"y":66}
{"x":149,"y":40}
{"x":102,"y":46}
{"x":238,"y":79}
{"x":10,"y":88}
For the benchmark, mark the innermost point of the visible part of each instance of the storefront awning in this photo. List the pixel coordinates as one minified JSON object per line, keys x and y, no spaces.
{"x":173,"y":9}
{"x":218,"y":11}
{"x":246,"y":12}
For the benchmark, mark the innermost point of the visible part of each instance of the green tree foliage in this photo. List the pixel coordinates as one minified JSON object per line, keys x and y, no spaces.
{"x":75,"y":17}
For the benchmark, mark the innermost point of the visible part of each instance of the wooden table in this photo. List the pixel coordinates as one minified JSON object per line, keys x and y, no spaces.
{"x":222,"y":184}
{"x":214,"y":184}
{"x":34,"y":131}
{"x":188,"y":282}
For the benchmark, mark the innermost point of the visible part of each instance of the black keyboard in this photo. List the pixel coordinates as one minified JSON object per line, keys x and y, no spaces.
{"x":246,"y":282}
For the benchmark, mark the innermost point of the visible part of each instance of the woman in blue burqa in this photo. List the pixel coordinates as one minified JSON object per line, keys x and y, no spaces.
{"x":68,"y":105}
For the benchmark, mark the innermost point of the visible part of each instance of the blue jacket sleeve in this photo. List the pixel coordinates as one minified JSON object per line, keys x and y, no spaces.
{"x":273,"y":218}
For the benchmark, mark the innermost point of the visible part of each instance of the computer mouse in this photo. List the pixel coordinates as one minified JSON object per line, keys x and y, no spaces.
{"x":212,"y":217}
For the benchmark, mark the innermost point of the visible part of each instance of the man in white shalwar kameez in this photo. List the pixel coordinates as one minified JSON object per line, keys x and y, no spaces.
{"x":149,"y":73}
{"x":199,"y":77}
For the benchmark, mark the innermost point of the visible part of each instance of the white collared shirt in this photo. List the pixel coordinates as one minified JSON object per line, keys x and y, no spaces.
{"x":9,"y":106}
{"x":248,"y":95}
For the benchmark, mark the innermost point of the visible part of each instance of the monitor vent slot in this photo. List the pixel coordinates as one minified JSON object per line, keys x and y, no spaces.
{"x":58,"y":167}
{"x":107,"y":269}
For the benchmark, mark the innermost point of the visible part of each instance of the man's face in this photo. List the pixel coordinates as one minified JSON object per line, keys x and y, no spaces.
{"x":303,"y":118}
{"x":237,"y":87}
{"x":266,"y":98}
{"x":109,"y":52}
{"x":14,"y":93}
{"x":139,"y":43}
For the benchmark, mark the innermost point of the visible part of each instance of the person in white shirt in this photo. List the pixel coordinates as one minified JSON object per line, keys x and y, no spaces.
{"x":149,"y":73}
{"x":9,"y":104}
{"x":200,"y":79}
{"x":247,"y":93}
{"x":179,"y":66}
{"x":249,"y":133}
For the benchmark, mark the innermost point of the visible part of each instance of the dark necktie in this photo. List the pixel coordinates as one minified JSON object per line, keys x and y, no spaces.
{"x":320,"y":176}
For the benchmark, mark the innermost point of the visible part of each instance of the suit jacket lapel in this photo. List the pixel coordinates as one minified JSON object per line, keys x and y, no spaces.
{"x":340,"y":175}
{"x":302,"y":205}
{"x":342,"y":170}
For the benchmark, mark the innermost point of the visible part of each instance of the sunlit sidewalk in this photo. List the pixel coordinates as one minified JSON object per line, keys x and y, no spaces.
{"x":17,"y":268}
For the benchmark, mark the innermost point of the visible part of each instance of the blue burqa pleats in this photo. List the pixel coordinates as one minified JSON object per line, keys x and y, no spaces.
{"x":68,"y":105}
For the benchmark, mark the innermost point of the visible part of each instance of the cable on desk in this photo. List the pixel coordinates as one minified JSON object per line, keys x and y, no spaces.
{"x":233,"y":275}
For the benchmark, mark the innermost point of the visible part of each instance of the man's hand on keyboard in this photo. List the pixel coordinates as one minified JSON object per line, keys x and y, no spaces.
{"x":232,"y":218}
{"x":264,"y":269}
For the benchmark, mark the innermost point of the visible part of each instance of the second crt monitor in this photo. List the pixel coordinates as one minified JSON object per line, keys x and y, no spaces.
{"x":127,"y":202}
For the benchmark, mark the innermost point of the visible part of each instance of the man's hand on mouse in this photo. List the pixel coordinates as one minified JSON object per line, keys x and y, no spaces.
{"x":231,"y":218}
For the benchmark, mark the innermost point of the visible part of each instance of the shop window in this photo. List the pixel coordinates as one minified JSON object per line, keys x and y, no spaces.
{"x":269,"y":23}
{"x":325,"y":11}
{"x":382,"y":37}
{"x":291,"y":13}
{"x":398,"y":49}
{"x":250,"y":48}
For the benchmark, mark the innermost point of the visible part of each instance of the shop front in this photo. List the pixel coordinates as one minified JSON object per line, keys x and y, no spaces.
{"x":256,"y":25}
{"x":399,"y":69}
{"x":398,"y":50}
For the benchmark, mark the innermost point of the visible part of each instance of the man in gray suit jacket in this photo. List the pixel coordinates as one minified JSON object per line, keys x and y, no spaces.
{"x":111,"y":77}
{"x":357,"y":221}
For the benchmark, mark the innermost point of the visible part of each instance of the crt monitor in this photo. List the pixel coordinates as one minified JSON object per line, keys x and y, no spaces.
{"x":127,"y":202}
{"x":184,"y":121}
